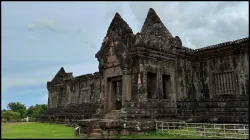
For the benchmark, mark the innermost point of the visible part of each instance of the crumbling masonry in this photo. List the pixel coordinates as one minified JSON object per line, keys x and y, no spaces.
{"x":151,"y":76}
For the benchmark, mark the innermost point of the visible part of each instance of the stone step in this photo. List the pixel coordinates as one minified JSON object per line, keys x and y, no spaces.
{"x":98,"y":130}
{"x":95,"y":135}
{"x":112,"y":114}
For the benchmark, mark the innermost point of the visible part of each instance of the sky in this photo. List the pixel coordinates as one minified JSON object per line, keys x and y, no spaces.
{"x":38,"y":38}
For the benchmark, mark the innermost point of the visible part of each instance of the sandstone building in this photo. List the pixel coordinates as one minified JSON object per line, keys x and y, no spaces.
{"x":150,"y":75}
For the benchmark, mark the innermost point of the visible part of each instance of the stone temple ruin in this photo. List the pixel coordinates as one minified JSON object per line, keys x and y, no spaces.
{"x":151,"y":76}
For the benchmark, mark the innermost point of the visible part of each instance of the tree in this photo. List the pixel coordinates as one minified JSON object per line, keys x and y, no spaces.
{"x":11,"y":115}
{"x":36,"y":111}
{"x":30,"y":111}
{"x":17,"y":107}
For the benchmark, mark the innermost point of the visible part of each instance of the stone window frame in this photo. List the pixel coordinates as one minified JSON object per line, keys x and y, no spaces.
{"x":82,"y":91}
{"x":233,"y":82}
{"x":166,"y":71}
{"x":166,"y":74}
{"x":163,"y":71}
{"x":146,"y":76}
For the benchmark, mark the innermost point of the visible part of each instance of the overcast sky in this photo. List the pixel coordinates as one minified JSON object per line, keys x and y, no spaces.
{"x":38,"y":38}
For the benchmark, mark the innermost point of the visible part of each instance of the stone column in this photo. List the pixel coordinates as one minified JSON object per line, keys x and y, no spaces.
{"x":159,"y":86}
{"x":126,"y":88}
{"x":111,"y":96}
{"x":106,"y":87}
{"x":102,"y":91}
{"x":173,"y":89}
{"x":143,"y":96}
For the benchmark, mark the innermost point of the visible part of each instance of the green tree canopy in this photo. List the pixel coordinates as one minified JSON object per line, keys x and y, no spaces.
{"x":11,"y":115}
{"x":36,"y":111}
{"x":17,"y":107}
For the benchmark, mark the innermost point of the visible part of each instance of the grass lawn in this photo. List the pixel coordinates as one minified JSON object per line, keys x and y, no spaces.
{"x":159,"y":135}
{"x":185,"y":133}
{"x":45,"y":130}
{"x":36,"y":130}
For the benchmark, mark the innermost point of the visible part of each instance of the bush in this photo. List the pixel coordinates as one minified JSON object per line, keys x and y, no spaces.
{"x":31,"y":119}
{"x":11,"y":115}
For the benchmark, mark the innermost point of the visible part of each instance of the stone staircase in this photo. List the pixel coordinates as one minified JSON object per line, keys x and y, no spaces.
{"x":111,"y":115}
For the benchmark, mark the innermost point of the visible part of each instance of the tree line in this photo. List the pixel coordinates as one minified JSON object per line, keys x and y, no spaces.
{"x":18,"y":111}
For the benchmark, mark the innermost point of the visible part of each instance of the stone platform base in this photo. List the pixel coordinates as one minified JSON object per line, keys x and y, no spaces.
{"x":109,"y":128}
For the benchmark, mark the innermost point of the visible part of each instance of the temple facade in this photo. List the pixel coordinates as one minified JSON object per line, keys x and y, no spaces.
{"x":152,"y":75}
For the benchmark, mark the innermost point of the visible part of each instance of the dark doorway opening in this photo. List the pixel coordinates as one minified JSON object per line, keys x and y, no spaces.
{"x":151,"y":85}
{"x":166,"y":83}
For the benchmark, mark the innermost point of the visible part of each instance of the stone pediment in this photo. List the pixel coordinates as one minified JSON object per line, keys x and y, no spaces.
{"x":58,"y":78}
{"x":115,"y":45}
{"x":155,"y":35}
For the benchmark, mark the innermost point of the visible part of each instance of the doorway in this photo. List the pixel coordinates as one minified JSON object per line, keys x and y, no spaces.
{"x":115,"y":93}
{"x":166,"y":83}
{"x":151,"y":85}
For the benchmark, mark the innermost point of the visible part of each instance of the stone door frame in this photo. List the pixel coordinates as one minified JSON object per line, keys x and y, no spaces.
{"x":112,"y":97}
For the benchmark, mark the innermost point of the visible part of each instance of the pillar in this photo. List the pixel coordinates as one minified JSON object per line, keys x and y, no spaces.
{"x":126,"y":88}
{"x":106,"y":90}
{"x":111,"y":96}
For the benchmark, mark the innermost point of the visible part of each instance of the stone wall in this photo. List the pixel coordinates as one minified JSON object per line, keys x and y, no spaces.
{"x":77,"y":90}
{"x":223,"y":69}
{"x":186,"y":79}
{"x":229,"y":109}
{"x":213,"y":70}
{"x":213,"y":83}
{"x":72,"y":98}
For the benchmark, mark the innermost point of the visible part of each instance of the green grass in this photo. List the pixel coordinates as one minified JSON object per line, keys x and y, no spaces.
{"x":36,"y":130}
{"x":45,"y":130}
{"x":159,"y":135}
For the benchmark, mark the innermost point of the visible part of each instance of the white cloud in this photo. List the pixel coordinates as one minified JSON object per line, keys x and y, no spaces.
{"x":199,"y":24}
{"x":41,"y":76}
{"x":41,"y":24}
{"x":32,"y":26}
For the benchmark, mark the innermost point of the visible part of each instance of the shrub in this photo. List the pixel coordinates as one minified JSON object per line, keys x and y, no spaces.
{"x":11,"y":115}
{"x":31,"y":119}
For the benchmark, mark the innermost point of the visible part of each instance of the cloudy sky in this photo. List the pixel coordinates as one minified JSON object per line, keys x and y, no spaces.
{"x":40,"y":37}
